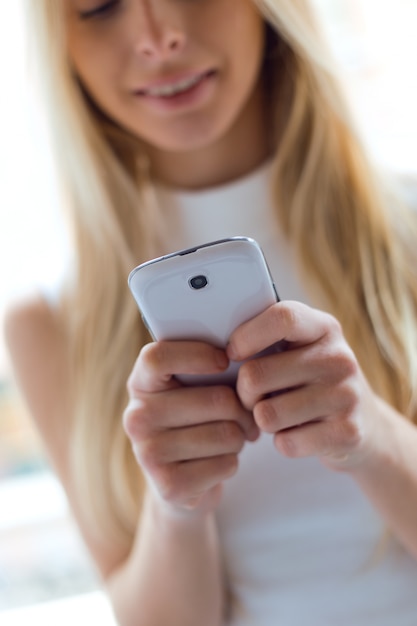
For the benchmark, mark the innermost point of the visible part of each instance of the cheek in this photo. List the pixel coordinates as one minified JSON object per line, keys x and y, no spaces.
{"x":94,"y":77}
{"x":233,"y":28}
{"x":97,"y":64}
{"x":247,"y":44}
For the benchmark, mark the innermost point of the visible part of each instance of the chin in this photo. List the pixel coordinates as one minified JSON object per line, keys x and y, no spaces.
{"x":187,"y":135}
{"x":183,"y":145}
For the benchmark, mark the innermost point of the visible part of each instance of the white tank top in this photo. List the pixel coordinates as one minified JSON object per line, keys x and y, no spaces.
{"x":299,"y":541}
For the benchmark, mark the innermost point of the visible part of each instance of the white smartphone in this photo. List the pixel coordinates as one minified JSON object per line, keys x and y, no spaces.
{"x":203,"y":294}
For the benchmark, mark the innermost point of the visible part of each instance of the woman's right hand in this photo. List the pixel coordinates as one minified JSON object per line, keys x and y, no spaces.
{"x":185,"y":439}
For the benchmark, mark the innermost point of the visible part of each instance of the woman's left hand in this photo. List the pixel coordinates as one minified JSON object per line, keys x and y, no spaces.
{"x":313,"y":396}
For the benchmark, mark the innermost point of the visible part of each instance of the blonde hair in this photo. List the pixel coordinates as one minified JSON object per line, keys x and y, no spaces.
{"x":332,"y":208}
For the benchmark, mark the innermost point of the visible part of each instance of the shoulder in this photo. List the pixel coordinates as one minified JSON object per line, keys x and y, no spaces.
{"x":38,"y":344}
{"x":38,"y":348}
{"x":31,"y":318}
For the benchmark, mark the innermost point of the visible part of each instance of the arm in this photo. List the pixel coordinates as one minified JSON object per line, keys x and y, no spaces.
{"x":325,"y":408}
{"x":172,"y":573}
{"x":388,"y":474}
{"x":186,"y":441}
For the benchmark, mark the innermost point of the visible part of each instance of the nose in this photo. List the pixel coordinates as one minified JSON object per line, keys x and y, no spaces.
{"x":159,"y":36}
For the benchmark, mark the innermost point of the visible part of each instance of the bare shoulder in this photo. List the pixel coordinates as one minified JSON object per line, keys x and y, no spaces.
{"x":38,"y":348}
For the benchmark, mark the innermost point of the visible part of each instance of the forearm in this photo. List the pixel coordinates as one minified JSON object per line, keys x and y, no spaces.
{"x":173,"y":575}
{"x":388,"y":475}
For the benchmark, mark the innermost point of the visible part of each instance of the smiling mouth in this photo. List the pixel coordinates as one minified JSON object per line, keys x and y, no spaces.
{"x":168,"y":90}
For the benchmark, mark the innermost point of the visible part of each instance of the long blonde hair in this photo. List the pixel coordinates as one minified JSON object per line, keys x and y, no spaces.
{"x":332,"y":208}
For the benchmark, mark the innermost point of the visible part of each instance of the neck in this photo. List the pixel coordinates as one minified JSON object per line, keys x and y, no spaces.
{"x":243,"y":148}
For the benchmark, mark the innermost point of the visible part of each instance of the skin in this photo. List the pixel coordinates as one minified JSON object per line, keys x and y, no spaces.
{"x":187,"y":441}
{"x":138,"y":43}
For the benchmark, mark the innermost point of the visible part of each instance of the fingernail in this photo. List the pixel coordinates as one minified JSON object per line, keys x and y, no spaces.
{"x":253,"y":434}
{"x":252,"y":430}
{"x":222,"y":359}
{"x":231,"y":353}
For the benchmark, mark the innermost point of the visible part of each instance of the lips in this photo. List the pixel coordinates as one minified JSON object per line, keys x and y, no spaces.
{"x":174,"y":86}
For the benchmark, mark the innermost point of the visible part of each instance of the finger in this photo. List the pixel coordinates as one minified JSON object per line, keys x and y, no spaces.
{"x":328,"y":439}
{"x":288,"y":321}
{"x":159,"y":361}
{"x":195,"y":442}
{"x":186,"y":406}
{"x":326,"y":363}
{"x":276,"y":373}
{"x":299,"y":406}
{"x":180,"y":482}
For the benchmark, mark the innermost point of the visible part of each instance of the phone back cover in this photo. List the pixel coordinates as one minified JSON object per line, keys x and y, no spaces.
{"x":238,"y":287}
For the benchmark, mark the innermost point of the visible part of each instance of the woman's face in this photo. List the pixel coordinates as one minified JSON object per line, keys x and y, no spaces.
{"x":176,"y":73}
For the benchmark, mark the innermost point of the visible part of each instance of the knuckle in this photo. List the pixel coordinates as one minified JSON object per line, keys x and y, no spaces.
{"x":331,"y":438}
{"x":152,"y":354}
{"x":222,"y":399}
{"x":231,"y":435}
{"x":149,"y":453}
{"x":140,"y":362}
{"x":284,"y":315}
{"x":333,"y":325}
{"x":351,"y":433}
{"x":133,"y":386}
{"x":251,"y":374}
{"x":265,"y":416}
{"x":349,"y":397}
{"x":343,"y":363}
{"x":131,"y":420}
{"x":284,"y":441}
{"x":344,"y":434}
{"x":348,"y":364}
{"x":136,"y":418}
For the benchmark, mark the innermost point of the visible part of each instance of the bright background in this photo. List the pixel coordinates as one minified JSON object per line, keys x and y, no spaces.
{"x":43,"y":564}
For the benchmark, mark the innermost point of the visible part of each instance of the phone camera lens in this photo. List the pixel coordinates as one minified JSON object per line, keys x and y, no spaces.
{"x":198,"y":282}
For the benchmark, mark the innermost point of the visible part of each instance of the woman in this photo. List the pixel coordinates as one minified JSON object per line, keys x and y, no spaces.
{"x":174,"y":124}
